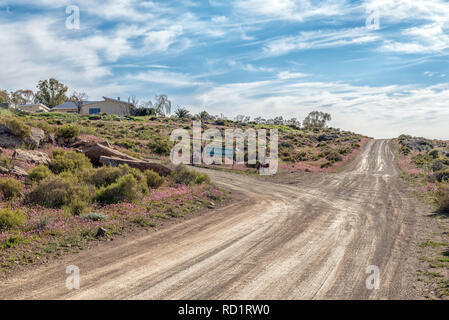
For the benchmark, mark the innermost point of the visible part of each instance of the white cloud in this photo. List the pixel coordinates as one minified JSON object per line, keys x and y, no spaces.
{"x":320,"y":39}
{"x":382,"y":112}
{"x":286,"y":75}
{"x":429,"y":38}
{"x":296,"y":10}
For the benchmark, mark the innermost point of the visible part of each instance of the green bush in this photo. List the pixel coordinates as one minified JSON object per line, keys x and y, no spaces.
{"x":442,"y":175}
{"x":5,"y":163}
{"x":443,"y":201}
{"x":434,"y":154}
{"x":202,"y":178}
{"x":154,"y":180}
{"x":334,"y":156}
{"x":344,"y":151}
{"x":405,"y":150}
{"x":105,"y":176}
{"x":182,"y":175}
{"x":17,"y":127}
{"x":421,"y":160}
{"x":39,"y":173}
{"x":95,"y":216}
{"x":10,"y":188}
{"x":10,"y":218}
{"x":67,"y":131}
{"x":161,"y":146}
{"x":57,"y":191}
{"x":126,"y":189}
{"x":77,"y":207}
{"x":70,"y":161}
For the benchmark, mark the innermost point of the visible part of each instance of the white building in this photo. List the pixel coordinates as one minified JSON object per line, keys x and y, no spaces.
{"x":108,"y":105}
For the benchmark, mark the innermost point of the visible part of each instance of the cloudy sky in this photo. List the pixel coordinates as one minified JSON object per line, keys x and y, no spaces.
{"x":253,"y":57}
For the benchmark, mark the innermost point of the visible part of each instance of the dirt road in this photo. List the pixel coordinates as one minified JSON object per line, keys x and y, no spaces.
{"x":310,"y":239}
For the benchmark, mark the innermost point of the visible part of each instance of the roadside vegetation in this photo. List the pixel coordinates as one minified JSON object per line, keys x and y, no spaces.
{"x":62,"y":201}
{"x":425,"y":166}
{"x":53,"y":196}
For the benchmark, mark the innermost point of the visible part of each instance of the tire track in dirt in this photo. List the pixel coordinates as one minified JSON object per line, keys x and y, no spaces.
{"x":310,"y":240}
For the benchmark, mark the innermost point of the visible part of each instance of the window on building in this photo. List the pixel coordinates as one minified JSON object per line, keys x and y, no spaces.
{"x":94,"y":110}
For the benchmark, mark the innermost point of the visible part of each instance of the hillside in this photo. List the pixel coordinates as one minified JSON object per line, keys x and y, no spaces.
{"x":425,"y":166}
{"x":56,"y":196}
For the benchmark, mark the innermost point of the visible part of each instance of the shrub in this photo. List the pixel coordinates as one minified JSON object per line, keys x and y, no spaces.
{"x":405,"y":150}
{"x":105,"y":176}
{"x":5,"y":162}
{"x":434,"y":154}
{"x":10,"y":188}
{"x":421,"y":160}
{"x":443,"y":201}
{"x":70,"y":161}
{"x":39,"y":173}
{"x":67,"y":131}
{"x":334,"y":156}
{"x":95,"y":216}
{"x":154,"y":180}
{"x":161,"y":146}
{"x":77,"y":207}
{"x":126,"y":189}
{"x":344,"y":150}
{"x":202,"y":178}
{"x":183,"y":175}
{"x":10,"y":218}
{"x":442,"y":175}
{"x":438,"y":165}
{"x":17,"y":127}
{"x":55,"y":192}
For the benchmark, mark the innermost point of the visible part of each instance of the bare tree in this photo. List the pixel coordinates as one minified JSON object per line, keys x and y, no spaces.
{"x":162,"y":105}
{"x":132,"y":100}
{"x":79,"y":98}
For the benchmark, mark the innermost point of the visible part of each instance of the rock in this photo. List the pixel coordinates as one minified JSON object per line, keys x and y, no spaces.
{"x":102,"y":153}
{"x":31,"y":156}
{"x":18,"y":171}
{"x":8,"y":140}
{"x":95,"y":151}
{"x":83,"y":144}
{"x":163,"y":171}
{"x":36,"y":138}
{"x":101,"y":232}
{"x":211,"y":205}
{"x":51,"y":138}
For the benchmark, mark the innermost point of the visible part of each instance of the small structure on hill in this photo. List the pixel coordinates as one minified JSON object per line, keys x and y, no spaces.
{"x":34,"y":107}
{"x":108,"y":105}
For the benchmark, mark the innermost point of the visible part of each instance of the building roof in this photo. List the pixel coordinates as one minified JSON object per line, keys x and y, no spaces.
{"x":69,"y":105}
{"x":117,"y":100}
{"x":72,"y":105}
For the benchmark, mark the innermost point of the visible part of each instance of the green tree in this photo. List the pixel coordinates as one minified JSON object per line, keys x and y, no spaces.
{"x":22,"y":97}
{"x":182,"y":113}
{"x":4,"y":96}
{"x":317,"y":119}
{"x":51,"y":93}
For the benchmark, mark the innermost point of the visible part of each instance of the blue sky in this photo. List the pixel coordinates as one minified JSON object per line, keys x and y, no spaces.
{"x":255,"y":57}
